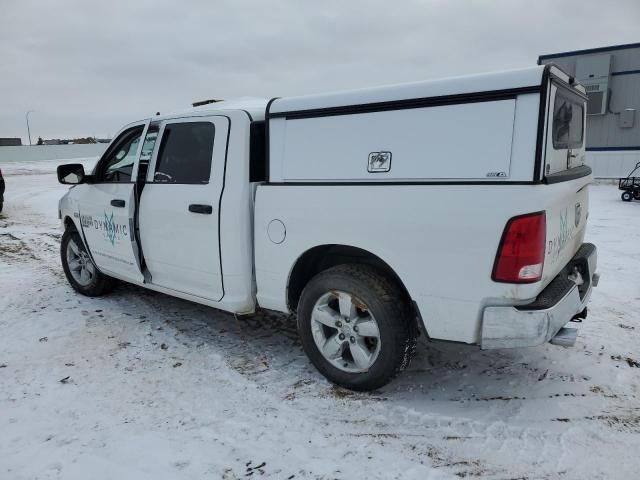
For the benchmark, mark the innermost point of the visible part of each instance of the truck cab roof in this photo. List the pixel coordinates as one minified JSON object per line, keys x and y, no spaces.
{"x":255,"y":107}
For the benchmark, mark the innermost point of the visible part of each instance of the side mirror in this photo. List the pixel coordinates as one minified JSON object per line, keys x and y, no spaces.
{"x":71,"y":174}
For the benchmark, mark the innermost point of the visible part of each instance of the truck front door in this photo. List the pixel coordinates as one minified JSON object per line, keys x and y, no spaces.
{"x":107,"y":207}
{"x":178,"y":211}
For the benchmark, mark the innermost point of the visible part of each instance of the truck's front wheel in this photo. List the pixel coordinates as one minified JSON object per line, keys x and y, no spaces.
{"x":80,"y":270}
{"x":355,"y":327}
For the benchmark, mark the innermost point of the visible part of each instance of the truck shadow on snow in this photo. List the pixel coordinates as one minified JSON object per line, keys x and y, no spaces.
{"x":249,"y":344}
{"x":265,"y":347}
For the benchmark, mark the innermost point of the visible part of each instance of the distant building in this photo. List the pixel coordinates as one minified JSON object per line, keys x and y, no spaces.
{"x":82,"y":141}
{"x":10,"y":142}
{"x":71,"y":141}
{"x":611,"y":76}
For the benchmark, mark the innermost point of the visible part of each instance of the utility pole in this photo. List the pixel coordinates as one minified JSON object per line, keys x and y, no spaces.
{"x":28,"y":129}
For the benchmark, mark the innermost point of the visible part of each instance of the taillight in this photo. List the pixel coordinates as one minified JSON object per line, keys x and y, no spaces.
{"x":520,"y":256}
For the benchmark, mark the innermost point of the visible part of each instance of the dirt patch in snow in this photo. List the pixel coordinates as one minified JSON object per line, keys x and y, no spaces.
{"x":12,"y":249}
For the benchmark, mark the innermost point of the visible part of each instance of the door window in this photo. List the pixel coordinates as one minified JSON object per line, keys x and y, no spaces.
{"x":117,"y":164}
{"x":185,"y":153}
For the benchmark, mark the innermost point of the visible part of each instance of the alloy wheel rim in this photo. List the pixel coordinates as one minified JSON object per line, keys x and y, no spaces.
{"x":80,"y":265}
{"x":345,"y":331}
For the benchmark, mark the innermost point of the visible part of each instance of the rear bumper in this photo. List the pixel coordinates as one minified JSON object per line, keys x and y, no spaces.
{"x":540,"y":320}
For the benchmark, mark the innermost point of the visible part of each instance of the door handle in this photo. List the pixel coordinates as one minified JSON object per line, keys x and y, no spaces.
{"x":204,"y":209}
{"x":117,"y":203}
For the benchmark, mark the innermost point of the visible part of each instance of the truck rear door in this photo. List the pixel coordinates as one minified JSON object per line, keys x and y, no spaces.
{"x":179,"y":206}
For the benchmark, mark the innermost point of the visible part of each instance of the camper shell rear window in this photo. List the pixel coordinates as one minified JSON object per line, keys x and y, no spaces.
{"x":568,"y":121}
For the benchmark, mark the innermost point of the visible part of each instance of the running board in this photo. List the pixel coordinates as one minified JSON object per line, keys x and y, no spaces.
{"x":566,"y":337}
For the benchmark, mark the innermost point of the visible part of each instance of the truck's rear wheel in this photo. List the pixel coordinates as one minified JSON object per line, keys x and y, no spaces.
{"x":80,"y":270}
{"x":354,"y":326}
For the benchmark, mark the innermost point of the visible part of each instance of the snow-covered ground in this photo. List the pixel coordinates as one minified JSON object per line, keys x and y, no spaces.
{"x":139,"y":385}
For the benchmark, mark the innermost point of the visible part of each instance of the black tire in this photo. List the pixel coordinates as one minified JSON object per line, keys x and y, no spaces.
{"x":99,"y":284}
{"x":636,"y":195}
{"x":388,"y":305}
{"x":626,"y":196}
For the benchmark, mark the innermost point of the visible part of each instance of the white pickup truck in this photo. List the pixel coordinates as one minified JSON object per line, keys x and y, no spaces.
{"x":454,"y":208}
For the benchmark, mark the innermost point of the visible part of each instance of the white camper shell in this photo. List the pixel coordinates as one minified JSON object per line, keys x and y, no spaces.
{"x":453,"y":208}
{"x":479,"y":128}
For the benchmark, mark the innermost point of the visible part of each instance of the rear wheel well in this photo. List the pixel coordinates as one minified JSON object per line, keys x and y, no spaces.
{"x":323,"y":257}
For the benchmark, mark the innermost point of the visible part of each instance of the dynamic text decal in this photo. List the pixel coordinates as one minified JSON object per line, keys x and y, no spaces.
{"x":113,"y":231}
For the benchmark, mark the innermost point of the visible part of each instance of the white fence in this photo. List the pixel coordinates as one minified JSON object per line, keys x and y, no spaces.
{"x":49,"y":152}
{"x":613,"y":164}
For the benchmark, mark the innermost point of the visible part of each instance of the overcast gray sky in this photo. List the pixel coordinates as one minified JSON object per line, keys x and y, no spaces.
{"x":87,"y":67}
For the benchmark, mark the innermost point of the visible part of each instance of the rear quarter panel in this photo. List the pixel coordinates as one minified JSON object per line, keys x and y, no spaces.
{"x":441,"y":240}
